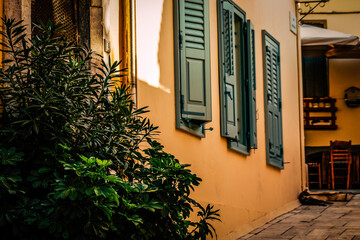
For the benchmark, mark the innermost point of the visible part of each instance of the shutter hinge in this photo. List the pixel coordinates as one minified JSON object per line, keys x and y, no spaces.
{"x":280,"y":104}
{"x":181,"y":40}
{"x":281,"y":150}
{"x":278,"y":59}
{"x":247,"y":82}
{"x":182,"y":102}
{"x":245,"y":27}
{"x":270,"y":145}
{"x":248,"y":137}
{"x":234,"y":140}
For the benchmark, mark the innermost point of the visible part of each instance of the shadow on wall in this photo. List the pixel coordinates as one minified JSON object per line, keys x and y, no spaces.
{"x":154,"y":43}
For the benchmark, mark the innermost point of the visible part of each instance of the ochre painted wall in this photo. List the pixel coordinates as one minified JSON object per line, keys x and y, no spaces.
{"x":248,"y":192}
{"x":343,"y":73}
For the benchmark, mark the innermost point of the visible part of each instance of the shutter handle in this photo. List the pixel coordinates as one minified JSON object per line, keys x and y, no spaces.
{"x":229,"y":94}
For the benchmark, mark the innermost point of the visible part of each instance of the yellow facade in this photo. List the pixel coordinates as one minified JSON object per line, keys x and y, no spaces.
{"x":245,"y":188}
{"x":343,"y":73}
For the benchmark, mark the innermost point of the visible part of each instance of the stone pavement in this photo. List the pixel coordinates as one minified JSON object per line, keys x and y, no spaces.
{"x":340,"y":220}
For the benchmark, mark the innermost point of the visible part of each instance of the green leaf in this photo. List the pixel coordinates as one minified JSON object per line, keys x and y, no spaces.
{"x":44,"y":223}
{"x":66,"y":235}
{"x":44,"y":170}
{"x":36,"y":184}
{"x":89,"y":191}
{"x":97,"y":191}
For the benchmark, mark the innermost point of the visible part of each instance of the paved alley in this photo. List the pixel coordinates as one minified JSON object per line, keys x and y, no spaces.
{"x":340,"y":220}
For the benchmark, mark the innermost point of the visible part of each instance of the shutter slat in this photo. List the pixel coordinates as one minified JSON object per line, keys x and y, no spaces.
{"x":193,"y":39}
{"x":194,"y":45}
{"x":195,"y":33}
{"x":195,"y":1}
{"x":191,"y":19}
{"x":229,"y":41}
{"x":194,"y":25}
{"x":274,"y":78}
{"x":191,"y":25}
{"x":193,"y":13}
{"x":194,"y":6}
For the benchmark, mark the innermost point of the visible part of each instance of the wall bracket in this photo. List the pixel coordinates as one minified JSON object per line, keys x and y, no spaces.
{"x":309,"y":6}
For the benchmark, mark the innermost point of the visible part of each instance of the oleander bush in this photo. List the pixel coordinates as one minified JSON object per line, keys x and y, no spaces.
{"x":77,"y":159}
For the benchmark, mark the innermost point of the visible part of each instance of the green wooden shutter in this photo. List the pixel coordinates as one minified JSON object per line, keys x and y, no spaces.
{"x":252,"y":83}
{"x":194,"y":60}
{"x":271,"y":54}
{"x":228,"y":79}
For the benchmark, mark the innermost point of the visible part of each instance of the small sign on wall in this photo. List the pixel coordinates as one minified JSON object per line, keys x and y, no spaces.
{"x":293,"y":23}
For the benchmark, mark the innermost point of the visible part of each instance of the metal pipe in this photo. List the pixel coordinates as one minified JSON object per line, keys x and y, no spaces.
{"x":332,"y":12}
{"x":303,"y":172}
{"x":313,"y":1}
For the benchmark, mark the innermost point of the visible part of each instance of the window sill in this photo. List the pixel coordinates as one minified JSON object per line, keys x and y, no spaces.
{"x":191,"y":127}
{"x":238,"y":147}
{"x":276,"y":163}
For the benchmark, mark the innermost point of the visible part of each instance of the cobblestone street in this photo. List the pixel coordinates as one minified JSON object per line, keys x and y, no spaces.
{"x":340,"y":220}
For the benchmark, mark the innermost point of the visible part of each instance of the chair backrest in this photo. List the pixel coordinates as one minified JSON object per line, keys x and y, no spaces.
{"x":340,"y":151}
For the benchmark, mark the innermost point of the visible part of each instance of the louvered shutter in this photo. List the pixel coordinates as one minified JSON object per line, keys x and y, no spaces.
{"x":252,"y":83}
{"x":194,"y":60}
{"x":273,"y":101}
{"x":228,"y":86}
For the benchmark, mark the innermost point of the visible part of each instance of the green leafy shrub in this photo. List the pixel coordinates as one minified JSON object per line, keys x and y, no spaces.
{"x":77,"y":159}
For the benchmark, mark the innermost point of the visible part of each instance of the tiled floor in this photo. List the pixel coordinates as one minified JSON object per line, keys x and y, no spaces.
{"x":338,"y":221}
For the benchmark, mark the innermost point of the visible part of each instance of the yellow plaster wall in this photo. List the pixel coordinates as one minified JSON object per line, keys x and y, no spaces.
{"x":343,"y":73}
{"x":248,"y":192}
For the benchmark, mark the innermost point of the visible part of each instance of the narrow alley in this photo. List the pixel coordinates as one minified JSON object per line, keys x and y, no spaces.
{"x":340,"y":220}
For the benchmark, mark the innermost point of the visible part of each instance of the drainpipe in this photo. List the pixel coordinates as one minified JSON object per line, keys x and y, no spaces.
{"x":133,"y":51}
{"x":301,"y":105}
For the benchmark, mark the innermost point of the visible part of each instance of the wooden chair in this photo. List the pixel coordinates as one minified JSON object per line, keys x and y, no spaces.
{"x":314,"y":175}
{"x":340,"y":162}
